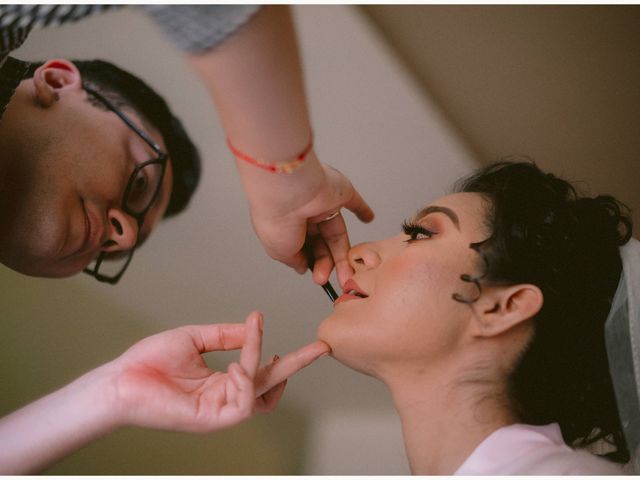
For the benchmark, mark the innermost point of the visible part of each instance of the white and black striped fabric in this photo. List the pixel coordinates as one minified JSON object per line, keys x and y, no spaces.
{"x":40,"y":16}
{"x":192,"y":28}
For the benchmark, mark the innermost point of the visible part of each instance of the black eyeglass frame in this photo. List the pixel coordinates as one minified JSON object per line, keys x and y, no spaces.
{"x":138,"y":215}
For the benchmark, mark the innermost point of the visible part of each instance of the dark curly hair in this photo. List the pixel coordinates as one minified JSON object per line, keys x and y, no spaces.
{"x":125,"y":89}
{"x":545,"y":233}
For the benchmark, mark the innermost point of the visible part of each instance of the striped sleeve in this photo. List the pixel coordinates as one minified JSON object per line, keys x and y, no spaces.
{"x":197,"y":28}
{"x":41,"y":16}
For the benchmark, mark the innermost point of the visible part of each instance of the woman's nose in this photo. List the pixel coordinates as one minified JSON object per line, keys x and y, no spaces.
{"x":364,"y":256}
{"x":123,"y":231}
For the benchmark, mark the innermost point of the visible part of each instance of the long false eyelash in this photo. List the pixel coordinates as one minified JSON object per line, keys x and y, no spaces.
{"x":471,"y":279}
{"x":413,"y":230}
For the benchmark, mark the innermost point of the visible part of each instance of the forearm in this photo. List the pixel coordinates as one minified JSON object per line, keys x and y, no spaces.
{"x":256,"y":83}
{"x":36,"y":436}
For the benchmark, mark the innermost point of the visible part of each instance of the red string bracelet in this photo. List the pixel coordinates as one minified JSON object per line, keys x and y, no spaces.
{"x":288,"y":167}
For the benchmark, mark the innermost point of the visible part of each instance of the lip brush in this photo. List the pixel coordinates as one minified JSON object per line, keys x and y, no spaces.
{"x":330,"y":291}
{"x":327,"y":287}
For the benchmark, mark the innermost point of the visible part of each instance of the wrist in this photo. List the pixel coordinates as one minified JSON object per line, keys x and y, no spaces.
{"x":286,"y":166}
{"x":41,"y":433}
{"x":281,"y":195}
{"x":98,"y":394}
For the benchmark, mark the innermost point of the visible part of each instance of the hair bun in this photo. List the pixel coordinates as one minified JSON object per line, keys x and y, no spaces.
{"x":545,"y":233}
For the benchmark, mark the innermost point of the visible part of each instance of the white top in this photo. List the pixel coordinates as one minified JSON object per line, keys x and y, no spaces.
{"x":532,"y":450}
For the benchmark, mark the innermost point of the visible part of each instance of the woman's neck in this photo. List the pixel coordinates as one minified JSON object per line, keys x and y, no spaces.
{"x":445,"y":417}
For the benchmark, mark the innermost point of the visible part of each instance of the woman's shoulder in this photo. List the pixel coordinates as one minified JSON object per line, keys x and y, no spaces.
{"x":533,"y":450}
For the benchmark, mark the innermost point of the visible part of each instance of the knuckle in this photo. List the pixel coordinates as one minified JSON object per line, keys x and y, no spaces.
{"x":221,"y":338}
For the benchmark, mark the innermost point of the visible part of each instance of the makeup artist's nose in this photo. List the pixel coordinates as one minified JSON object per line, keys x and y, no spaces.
{"x":364,"y":256}
{"x":122,"y":231}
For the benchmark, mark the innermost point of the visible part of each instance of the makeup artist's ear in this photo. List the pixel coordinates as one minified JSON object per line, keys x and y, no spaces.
{"x":54,"y":77}
{"x":501,"y":308}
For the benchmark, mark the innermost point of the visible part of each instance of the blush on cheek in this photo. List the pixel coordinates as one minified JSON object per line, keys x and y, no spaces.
{"x":441,"y":275}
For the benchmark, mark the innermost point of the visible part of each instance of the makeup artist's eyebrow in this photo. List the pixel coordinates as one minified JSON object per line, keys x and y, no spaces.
{"x":437,"y":209}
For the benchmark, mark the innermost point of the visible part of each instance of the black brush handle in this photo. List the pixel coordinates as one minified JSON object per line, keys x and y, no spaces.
{"x":326,"y":286}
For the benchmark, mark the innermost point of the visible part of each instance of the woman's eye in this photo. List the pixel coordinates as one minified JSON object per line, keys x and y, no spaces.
{"x":416,"y":232}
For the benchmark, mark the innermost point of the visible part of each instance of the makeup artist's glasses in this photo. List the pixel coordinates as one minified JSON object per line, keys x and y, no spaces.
{"x":142,"y":190}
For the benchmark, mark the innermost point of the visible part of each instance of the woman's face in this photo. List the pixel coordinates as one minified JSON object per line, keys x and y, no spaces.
{"x":408,"y":316}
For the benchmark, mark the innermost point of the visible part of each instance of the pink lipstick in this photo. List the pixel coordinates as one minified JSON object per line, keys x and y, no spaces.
{"x":351,"y":292}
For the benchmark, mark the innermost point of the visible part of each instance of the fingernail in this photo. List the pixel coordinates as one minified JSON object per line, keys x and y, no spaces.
{"x":275,"y":358}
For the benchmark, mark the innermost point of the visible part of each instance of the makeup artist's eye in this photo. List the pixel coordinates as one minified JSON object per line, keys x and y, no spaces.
{"x":415,"y":231}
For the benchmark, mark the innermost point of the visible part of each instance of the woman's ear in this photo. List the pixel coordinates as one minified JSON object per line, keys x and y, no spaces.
{"x":501,"y":308}
{"x":53,"y":77}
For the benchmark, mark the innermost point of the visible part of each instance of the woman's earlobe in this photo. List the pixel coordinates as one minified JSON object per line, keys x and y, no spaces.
{"x":53,"y":77}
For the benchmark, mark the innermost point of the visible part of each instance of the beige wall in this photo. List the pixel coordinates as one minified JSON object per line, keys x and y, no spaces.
{"x":558,"y":83}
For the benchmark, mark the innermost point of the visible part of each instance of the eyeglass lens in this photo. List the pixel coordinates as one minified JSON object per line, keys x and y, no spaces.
{"x":142,"y":189}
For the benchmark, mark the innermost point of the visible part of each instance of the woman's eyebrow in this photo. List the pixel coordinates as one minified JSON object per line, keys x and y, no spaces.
{"x":438,"y":209}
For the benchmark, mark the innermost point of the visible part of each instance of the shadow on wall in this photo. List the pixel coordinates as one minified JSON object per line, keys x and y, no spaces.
{"x":52,"y":332}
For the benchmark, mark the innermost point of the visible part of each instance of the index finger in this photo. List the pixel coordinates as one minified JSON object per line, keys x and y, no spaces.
{"x":289,"y":365}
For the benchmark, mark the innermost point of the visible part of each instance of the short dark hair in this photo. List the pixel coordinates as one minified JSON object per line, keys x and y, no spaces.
{"x":545,"y":233}
{"x":125,"y":89}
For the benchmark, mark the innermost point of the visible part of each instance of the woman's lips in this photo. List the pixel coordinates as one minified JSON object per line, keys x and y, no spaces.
{"x":346,"y":297}
{"x":352,"y":291}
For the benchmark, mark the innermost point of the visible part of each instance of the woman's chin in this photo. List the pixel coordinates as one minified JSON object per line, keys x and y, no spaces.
{"x":324,"y":332}
{"x":343,"y":349}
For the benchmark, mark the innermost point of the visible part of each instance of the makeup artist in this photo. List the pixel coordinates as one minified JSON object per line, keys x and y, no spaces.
{"x":256,"y":83}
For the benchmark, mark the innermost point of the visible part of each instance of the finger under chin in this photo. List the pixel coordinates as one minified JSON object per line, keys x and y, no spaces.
{"x":287,"y":366}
